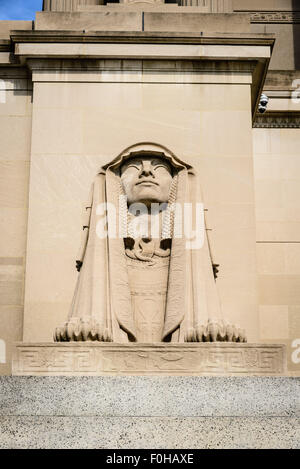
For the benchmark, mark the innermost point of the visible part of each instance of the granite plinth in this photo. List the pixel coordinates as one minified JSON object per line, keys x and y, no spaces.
{"x":149,"y":433}
{"x":149,"y":412}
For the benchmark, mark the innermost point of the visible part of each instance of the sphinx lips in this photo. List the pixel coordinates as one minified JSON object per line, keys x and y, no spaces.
{"x":146,"y":183}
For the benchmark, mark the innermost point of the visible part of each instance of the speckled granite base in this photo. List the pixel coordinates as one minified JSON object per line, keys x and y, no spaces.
{"x":148,"y":432}
{"x":149,"y":412}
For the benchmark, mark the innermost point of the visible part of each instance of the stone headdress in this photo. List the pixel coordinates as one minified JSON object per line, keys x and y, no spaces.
{"x":101,"y":308}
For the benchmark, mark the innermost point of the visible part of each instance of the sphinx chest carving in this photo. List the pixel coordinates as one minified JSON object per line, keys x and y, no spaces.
{"x":148,"y":267}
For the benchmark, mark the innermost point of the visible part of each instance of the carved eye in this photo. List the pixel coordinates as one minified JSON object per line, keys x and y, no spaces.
{"x":157,"y":164}
{"x":135,"y":165}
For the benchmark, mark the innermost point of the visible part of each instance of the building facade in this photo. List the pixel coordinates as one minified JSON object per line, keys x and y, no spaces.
{"x":86,"y":79}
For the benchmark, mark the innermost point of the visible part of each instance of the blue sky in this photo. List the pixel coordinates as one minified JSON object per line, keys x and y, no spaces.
{"x":19,"y":9}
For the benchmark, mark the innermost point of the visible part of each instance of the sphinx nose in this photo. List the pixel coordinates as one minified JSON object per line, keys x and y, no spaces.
{"x":146,"y":169}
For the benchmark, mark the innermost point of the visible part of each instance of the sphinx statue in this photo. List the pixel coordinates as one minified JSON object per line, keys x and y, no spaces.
{"x":140,"y":278}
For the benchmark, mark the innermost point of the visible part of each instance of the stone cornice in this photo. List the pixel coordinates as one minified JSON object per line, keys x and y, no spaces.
{"x":277,"y":120}
{"x":141,"y":45}
{"x":142,"y":37}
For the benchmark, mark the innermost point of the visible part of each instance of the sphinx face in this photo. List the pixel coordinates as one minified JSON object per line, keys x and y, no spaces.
{"x":146,"y":180}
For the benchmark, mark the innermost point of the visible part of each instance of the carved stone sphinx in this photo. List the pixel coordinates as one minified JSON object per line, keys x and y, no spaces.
{"x":140,"y":278}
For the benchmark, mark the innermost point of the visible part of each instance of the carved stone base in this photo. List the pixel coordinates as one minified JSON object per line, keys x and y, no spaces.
{"x":98,"y":359}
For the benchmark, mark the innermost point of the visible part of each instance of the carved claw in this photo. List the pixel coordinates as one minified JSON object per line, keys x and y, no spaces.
{"x":82,"y":330}
{"x":215,"y":332}
{"x":190,"y":335}
{"x":200,"y":330}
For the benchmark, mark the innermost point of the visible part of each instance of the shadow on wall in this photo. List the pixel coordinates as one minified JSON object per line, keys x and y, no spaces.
{"x":296,"y":33}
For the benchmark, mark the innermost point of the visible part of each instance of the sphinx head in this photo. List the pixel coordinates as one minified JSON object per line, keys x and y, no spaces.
{"x":146,"y":179}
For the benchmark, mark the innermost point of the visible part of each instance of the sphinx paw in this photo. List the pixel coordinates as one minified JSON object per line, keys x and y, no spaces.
{"x":214,"y":331}
{"x":82,"y":330}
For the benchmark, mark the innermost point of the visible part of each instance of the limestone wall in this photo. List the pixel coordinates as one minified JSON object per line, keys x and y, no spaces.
{"x":7,"y":26}
{"x":87,"y":118}
{"x":15,"y":138}
{"x":277,"y":183}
